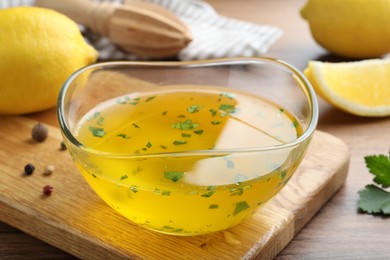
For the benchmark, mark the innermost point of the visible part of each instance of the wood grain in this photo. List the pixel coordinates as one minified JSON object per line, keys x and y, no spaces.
{"x":76,"y":220}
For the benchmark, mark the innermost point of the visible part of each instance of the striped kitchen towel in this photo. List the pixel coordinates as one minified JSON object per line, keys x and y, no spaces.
{"x":214,"y":36}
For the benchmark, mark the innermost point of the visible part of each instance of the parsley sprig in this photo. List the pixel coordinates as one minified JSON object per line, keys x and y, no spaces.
{"x":374,"y":199}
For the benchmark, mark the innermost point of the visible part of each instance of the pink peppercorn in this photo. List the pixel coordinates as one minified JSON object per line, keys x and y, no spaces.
{"x":47,"y":190}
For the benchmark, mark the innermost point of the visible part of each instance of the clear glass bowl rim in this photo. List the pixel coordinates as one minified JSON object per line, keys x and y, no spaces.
{"x":312,"y":99}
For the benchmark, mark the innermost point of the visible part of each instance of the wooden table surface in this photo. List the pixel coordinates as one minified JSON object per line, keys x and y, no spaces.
{"x":338,"y":231}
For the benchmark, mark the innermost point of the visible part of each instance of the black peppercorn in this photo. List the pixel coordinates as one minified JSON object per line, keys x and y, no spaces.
{"x":63,"y":146}
{"x":29,"y":169}
{"x":39,"y":132}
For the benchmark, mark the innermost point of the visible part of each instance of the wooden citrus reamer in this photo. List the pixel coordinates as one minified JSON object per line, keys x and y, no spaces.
{"x":141,"y":28}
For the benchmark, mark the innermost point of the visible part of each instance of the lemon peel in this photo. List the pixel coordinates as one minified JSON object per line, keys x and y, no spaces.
{"x":39,"y":49}
{"x":361,"y":87}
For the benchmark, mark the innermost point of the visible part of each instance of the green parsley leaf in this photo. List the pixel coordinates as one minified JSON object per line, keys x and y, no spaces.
{"x":95,"y":115}
{"x":135,"y":125}
{"x":173,"y":176}
{"x":216,"y":122}
{"x":193,"y":108}
{"x":227,"y":108}
{"x":185,"y":135}
{"x":123,"y":177}
{"x":240,"y":206}
{"x":210,"y":192}
{"x":179,"y":142}
{"x":283,"y":175}
{"x":124,"y":136}
{"x":186,"y":125}
{"x":100,"y":121}
{"x":213,"y":206}
{"x":228,"y":95}
{"x":198,"y":132}
{"x":166,"y":193}
{"x":379,"y":165}
{"x":97,"y":131}
{"x":149,"y":144}
{"x":374,"y":200}
{"x":134,"y":189}
{"x":213,"y":112}
{"x":150,"y":98}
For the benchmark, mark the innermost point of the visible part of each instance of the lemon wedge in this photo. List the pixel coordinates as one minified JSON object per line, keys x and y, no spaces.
{"x":361,"y":87}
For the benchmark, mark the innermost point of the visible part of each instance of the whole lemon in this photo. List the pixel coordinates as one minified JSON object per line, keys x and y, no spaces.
{"x":350,"y":28}
{"x":39,"y":49}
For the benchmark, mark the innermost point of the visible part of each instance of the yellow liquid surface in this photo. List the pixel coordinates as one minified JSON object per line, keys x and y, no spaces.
{"x":151,"y":179}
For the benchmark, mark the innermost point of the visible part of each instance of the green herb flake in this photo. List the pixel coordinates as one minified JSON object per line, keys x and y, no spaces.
{"x":163,"y":147}
{"x":135,"y":125}
{"x":185,"y":135}
{"x":134,"y":103}
{"x":281,"y":110}
{"x":227,"y":108}
{"x":239,"y":191}
{"x":173,"y":176}
{"x":97,"y":131}
{"x":229,"y":164}
{"x":240,"y":206}
{"x":166,"y":193}
{"x":134,"y":188}
{"x":186,"y":125}
{"x":210,"y":192}
{"x":167,"y":227}
{"x":213,"y":206}
{"x":95,"y":115}
{"x":283,"y":175}
{"x":213,"y":112}
{"x":164,"y":113}
{"x":228,"y":95}
{"x":149,"y":145}
{"x":193,"y":108}
{"x":295,"y":123}
{"x":150,"y":98}
{"x":179,"y":142}
{"x":198,"y":132}
{"x":216,"y":122}
{"x":123,"y":177}
{"x":181,"y":116}
{"x":124,"y":136}
{"x":120,"y":102}
{"x":100,"y":121}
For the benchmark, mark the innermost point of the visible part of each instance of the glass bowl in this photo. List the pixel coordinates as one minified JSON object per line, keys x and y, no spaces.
{"x":187,"y":148}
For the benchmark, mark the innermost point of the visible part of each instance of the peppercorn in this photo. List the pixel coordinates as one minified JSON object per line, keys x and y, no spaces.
{"x":63,"y":146}
{"x":47,"y":190}
{"x":49,"y":170}
{"x":29,"y":169}
{"x":39,"y":132}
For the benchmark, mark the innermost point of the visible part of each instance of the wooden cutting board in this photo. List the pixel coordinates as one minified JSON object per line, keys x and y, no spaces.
{"x":76,"y":220}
